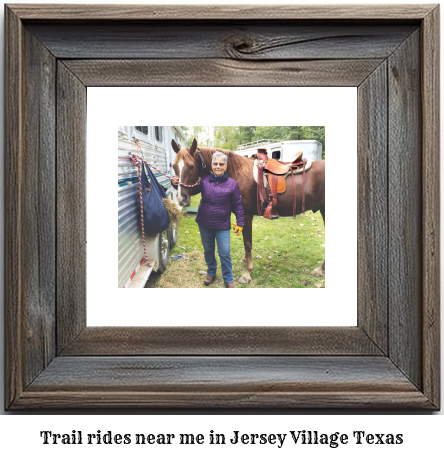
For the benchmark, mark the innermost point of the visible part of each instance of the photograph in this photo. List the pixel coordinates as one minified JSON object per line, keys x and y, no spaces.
{"x":267,"y":235}
{"x":233,"y":199}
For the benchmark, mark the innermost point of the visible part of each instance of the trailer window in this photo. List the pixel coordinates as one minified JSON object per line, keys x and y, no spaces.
{"x":159,"y":133}
{"x":276,"y":154}
{"x":143,"y":130}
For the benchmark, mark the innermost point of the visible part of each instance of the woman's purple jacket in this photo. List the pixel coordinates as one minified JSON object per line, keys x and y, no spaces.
{"x":219,"y":200}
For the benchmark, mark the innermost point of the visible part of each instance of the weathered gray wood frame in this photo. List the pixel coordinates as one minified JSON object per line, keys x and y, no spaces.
{"x":390,"y":360}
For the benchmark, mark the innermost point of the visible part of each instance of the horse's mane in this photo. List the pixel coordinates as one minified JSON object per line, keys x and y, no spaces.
{"x":237,"y":165}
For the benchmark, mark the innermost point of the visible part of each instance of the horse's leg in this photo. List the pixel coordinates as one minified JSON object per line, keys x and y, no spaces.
{"x":248,"y":243}
{"x":321,"y":270}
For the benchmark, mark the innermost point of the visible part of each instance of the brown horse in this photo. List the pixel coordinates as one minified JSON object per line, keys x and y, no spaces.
{"x":189,"y":167}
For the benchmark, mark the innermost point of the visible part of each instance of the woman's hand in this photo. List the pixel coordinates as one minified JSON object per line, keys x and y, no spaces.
{"x":237,"y":229}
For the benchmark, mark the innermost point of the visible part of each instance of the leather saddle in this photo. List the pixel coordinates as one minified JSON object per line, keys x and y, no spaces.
{"x":275,"y":166}
{"x":275,"y":172}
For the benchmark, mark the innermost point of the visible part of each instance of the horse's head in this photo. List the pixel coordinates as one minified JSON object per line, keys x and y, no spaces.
{"x":187,"y":168}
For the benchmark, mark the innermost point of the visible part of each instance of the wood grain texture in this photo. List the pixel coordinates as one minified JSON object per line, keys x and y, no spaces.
{"x":13,"y":208}
{"x":257,"y":40}
{"x":280,"y":402}
{"x":220,"y":12}
{"x":39,"y":207}
{"x":125,"y":341}
{"x":203,"y":73}
{"x":71,"y":206}
{"x":234,"y":382}
{"x":405,"y":207}
{"x":208,"y":373}
{"x":430,"y":93}
{"x":372,"y":207}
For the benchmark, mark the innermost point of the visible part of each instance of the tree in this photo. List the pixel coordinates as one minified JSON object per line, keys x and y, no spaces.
{"x":229,"y":137}
{"x":277,"y":133}
{"x":226,"y":137}
{"x":246,"y":134}
{"x":197,"y":133}
{"x":291,"y":133}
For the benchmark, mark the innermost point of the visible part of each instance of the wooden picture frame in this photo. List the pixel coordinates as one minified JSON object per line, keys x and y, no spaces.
{"x":390,"y":360}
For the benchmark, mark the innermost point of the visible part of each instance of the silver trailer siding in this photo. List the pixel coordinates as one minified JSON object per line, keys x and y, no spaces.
{"x":284,"y":150}
{"x":155,"y":145}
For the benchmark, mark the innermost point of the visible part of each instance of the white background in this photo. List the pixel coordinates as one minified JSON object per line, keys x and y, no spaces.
{"x":334,"y":305}
{"x":20,"y":433}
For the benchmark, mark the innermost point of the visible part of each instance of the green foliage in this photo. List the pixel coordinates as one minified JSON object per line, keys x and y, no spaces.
{"x":197,"y":132}
{"x":245,"y":135}
{"x":285,"y":251}
{"x":226,"y":137}
{"x":290,"y":133}
{"x":230,"y":137}
{"x":277,"y":133}
{"x":203,"y":135}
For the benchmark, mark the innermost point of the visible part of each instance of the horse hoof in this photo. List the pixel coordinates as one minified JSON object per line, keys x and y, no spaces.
{"x":245,"y":279}
{"x":243,"y":260}
{"x":319,"y":272}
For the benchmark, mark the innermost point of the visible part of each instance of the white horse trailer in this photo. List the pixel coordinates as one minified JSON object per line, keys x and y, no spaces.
{"x":283,"y":150}
{"x":154,"y":144}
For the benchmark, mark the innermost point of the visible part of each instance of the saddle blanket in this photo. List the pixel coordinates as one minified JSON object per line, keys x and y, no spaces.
{"x":297,"y":171}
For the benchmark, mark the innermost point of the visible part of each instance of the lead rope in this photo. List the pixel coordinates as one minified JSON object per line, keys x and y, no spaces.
{"x":136,"y":159}
{"x":139,"y":164}
{"x":303,"y":180}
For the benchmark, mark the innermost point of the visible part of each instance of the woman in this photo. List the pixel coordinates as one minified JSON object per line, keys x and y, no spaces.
{"x":220,"y":197}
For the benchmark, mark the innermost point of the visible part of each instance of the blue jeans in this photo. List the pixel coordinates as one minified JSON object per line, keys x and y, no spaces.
{"x":222,"y":237}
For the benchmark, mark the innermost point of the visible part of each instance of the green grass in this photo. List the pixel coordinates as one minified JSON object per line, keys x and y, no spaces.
{"x":293,"y":249}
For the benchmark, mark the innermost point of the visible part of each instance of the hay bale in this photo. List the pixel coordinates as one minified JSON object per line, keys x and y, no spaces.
{"x":174,"y":213}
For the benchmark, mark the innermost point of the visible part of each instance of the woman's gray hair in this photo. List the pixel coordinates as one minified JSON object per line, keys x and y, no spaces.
{"x":218,"y":155}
